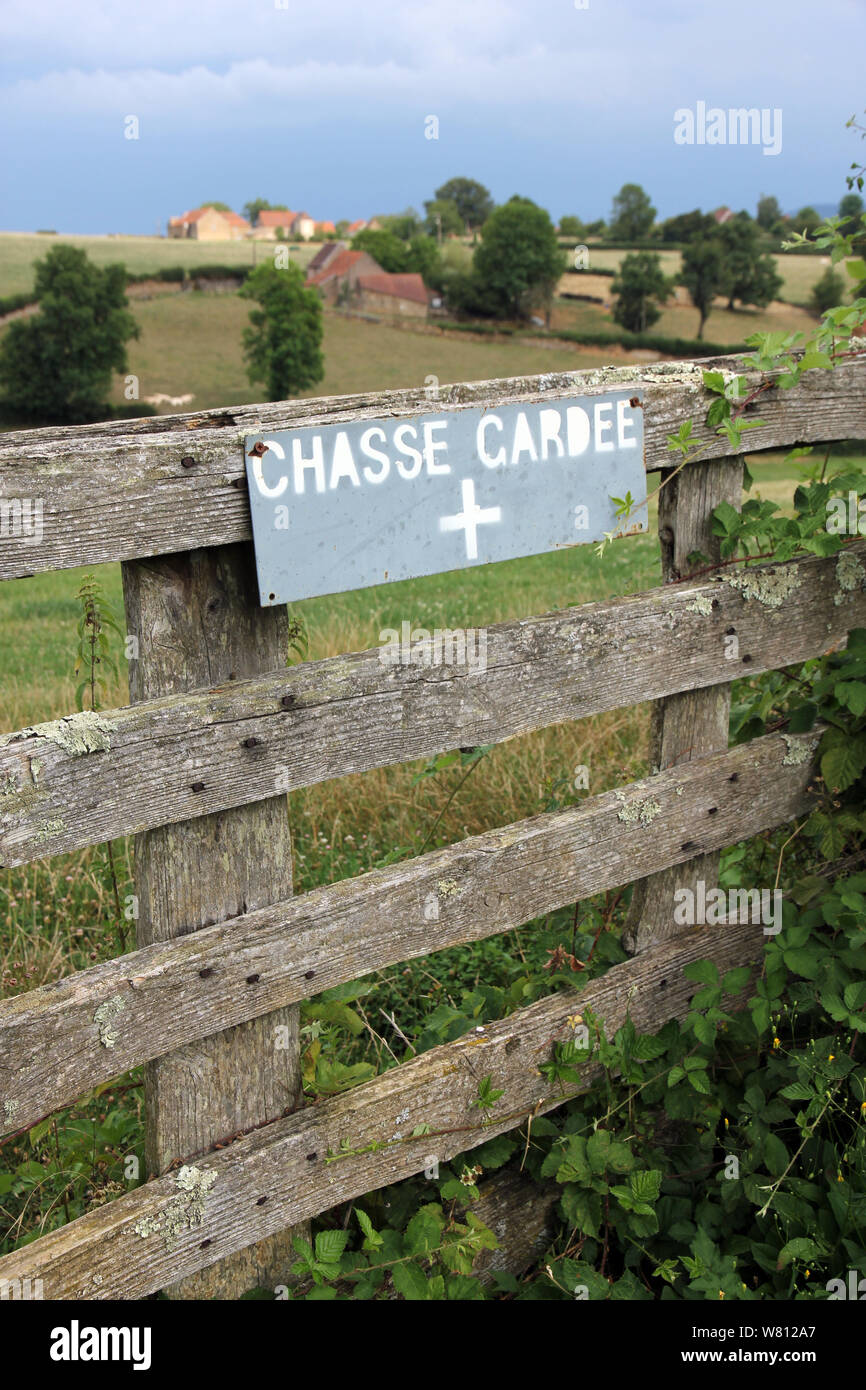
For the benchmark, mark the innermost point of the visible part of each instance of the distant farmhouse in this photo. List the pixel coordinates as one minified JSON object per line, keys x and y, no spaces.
{"x":209,"y":224}
{"x":354,"y":280}
{"x":301,"y":224}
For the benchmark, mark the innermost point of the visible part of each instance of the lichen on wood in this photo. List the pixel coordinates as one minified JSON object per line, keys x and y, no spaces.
{"x":105,"y":1018}
{"x":850,"y":575}
{"x":768,"y":586}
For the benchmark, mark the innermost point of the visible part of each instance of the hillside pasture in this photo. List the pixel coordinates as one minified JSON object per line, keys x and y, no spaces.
{"x":140,"y":254}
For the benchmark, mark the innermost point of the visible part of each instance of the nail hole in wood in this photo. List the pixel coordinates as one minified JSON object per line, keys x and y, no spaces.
{"x":187,"y":462}
{"x":206,"y":974}
{"x":197,"y":787}
{"x":253,"y":979}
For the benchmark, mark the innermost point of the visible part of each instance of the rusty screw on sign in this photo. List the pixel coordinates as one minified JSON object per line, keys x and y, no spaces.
{"x":258,"y":450}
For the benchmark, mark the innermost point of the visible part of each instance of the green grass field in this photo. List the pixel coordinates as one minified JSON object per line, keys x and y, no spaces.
{"x":18,"y":251}
{"x":192,"y":343}
{"x":681,"y":319}
{"x":798,"y":273}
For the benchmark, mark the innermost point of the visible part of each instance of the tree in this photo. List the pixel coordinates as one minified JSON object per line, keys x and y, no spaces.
{"x":632,"y":214}
{"x":702,"y":274}
{"x":257,"y":205}
{"x":518,"y":262}
{"x":58,"y":364}
{"x":640,"y":286}
{"x":807,"y":220}
{"x":850,"y":206}
{"x":688,"y":226}
{"x":219,"y":207}
{"x":387,"y":250}
{"x":426,"y":259}
{"x":571,"y":226}
{"x":471,"y":199}
{"x":748,"y":273}
{"x":827,"y":292}
{"x":443,"y":219}
{"x":283,"y":344}
{"x":769,"y":216}
{"x":404,"y":225}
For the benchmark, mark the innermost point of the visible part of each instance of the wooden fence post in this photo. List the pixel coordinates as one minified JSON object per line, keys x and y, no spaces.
{"x":199,"y":624}
{"x":695,"y":722}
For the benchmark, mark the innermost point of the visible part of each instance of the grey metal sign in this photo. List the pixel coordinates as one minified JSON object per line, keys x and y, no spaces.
{"x":338,"y":507}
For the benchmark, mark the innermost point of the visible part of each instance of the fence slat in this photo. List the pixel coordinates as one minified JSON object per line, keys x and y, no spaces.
{"x":197,"y":619}
{"x":282,"y":1174}
{"x":51,"y":1045}
{"x":120,"y":491}
{"x":694,"y":722}
{"x":188,"y":755}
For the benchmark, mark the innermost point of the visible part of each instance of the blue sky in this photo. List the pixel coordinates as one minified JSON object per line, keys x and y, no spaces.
{"x":323,"y":107}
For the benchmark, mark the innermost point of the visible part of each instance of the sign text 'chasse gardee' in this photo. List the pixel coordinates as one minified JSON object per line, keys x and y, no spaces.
{"x":339,"y":507}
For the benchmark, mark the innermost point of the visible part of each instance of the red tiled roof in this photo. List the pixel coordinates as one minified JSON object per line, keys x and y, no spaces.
{"x":356,"y":226}
{"x":198,"y":213}
{"x":276,"y":217}
{"x":325,"y":227}
{"x":324,"y":254}
{"x":338,"y":266}
{"x":401,"y":286}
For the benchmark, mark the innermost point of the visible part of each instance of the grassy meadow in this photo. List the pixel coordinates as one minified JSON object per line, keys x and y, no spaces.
{"x":140,"y":254}
{"x":798,"y":273}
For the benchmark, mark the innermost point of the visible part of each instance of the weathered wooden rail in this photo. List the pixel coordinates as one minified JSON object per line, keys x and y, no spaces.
{"x":192,"y":768}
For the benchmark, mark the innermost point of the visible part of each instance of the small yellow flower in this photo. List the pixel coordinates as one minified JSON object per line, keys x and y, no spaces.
{"x":863,"y":1105}
{"x":721,"y":1293}
{"x":839,"y":1177}
{"x":727,"y":1122}
{"x":832,"y":1057}
{"x":776,"y":1042}
{"x":808,"y":1272}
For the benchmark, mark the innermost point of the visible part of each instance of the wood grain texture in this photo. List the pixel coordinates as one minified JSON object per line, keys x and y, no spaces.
{"x":198,"y":622}
{"x":184,"y":756}
{"x":169,"y":994}
{"x":694,"y":722}
{"x":121,"y":490}
{"x":294,"y":1168}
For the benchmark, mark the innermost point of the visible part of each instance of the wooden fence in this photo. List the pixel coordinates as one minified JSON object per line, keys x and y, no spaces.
{"x":208,"y":1000}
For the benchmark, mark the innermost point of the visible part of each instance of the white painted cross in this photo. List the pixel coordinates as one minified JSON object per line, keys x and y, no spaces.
{"x":470,"y":518}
